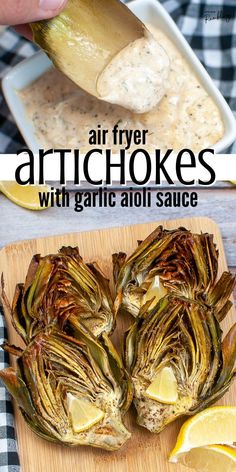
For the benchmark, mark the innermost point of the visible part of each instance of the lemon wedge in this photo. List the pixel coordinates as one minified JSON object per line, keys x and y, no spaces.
{"x":215,"y":425}
{"x":164,"y":387}
{"x":211,"y":459}
{"x":155,"y":290}
{"x":83,"y":414}
{"x":25,"y":196}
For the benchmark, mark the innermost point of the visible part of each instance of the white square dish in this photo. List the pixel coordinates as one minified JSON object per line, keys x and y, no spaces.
{"x":149,"y":11}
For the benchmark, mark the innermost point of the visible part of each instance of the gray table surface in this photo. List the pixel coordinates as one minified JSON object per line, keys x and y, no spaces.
{"x":218,"y":203}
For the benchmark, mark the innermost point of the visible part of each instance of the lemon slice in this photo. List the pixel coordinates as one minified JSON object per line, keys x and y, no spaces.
{"x":215,"y":425}
{"x":164,"y":387}
{"x":25,"y":196}
{"x":211,"y":459}
{"x":83,"y":414}
{"x":156,"y":290}
{"x":233,"y":182}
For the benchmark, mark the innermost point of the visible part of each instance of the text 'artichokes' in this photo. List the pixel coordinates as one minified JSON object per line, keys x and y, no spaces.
{"x":175,"y":353}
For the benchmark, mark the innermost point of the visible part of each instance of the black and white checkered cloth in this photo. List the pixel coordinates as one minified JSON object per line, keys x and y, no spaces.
{"x":9,"y":459}
{"x":210,"y":28}
{"x":13,"y":49}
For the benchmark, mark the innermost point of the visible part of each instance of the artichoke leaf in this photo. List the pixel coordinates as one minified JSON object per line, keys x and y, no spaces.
{"x":18,"y":323}
{"x":11,"y":349}
{"x":118,"y":261}
{"x":218,"y":297}
{"x":228,"y":356}
{"x":17,"y":388}
{"x":120,"y":373}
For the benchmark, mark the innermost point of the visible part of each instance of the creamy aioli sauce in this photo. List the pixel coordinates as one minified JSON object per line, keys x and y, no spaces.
{"x":136,"y":78}
{"x":63,"y":114}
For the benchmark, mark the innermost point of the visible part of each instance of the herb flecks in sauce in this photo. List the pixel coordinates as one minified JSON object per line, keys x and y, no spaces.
{"x":63,"y":115}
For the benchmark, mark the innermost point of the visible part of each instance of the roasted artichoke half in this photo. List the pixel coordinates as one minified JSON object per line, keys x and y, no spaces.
{"x":174,"y":351}
{"x":71,"y":391}
{"x":61,"y":289}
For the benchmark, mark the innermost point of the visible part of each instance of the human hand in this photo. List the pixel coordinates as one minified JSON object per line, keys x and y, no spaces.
{"x":21,"y":12}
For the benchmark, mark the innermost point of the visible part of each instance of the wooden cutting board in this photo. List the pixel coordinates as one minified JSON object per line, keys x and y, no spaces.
{"x":145,"y":452}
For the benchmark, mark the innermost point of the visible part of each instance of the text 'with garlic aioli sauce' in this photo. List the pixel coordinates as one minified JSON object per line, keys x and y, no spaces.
{"x":186,"y":116}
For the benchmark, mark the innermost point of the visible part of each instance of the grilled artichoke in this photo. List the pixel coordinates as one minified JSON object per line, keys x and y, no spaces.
{"x":71,"y":391}
{"x":174,"y":351}
{"x":61,"y":289}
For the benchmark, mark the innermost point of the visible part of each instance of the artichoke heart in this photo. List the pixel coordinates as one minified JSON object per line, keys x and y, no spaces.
{"x":71,"y":391}
{"x":175,"y":351}
{"x":61,"y":289}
